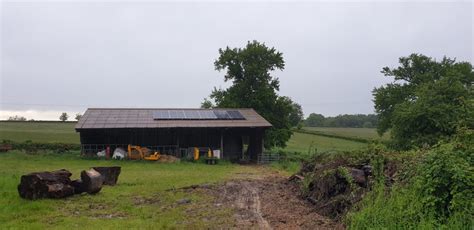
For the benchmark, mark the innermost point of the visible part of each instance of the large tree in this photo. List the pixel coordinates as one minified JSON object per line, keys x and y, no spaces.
{"x":254,"y":87}
{"x":315,"y":120}
{"x":63,"y":117}
{"x":427,"y":101}
{"x":296,"y":114}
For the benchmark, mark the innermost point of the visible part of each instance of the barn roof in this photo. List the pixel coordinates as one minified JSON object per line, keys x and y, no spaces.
{"x":100,"y":118}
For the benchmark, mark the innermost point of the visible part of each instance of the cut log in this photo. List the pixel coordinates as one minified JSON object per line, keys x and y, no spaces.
{"x":109,"y":174}
{"x":296,"y":176}
{"x":38,"y":185}
{"x":60,"y":190}
{"x":79,"y":186}
{"x":92,"y":181}
{"x":359,"y":177}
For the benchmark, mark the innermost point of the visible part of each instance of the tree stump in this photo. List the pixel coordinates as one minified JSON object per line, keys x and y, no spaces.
{"x":92,"y":181}
{"x":38,"y":185}
{"x":109,"y":174}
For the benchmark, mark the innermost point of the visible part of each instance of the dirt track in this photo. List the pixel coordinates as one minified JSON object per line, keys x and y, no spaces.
{"x":245,"y":198}
{"x":270,"y":202}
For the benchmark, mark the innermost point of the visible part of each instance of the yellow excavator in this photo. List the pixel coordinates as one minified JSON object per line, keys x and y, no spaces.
{"x":136,"y":152}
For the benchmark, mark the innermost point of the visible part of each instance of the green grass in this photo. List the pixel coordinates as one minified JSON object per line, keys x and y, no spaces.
{"x":301,"y":142}
{"x":365,"y":133}
{"x":43,"y":132}
{"x":115,"y":207}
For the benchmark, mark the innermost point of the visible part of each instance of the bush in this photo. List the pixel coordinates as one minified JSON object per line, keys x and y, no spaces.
{"x":33,"y":147}
{"x":446,"y":181}
{"x":439,"y":194}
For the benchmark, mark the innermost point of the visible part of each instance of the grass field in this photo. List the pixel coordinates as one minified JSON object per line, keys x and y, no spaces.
{"x":44,"y":132}
{"x":139,"y":200}
{"x":301,"y":142}
{"x":366,"y":133}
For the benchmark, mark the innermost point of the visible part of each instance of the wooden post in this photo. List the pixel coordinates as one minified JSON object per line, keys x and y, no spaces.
{"x":242,"y":140}
{"x":222,"y":144}
{"x":177,"y":137}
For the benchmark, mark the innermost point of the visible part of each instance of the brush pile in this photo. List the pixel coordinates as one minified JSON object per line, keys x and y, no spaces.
{"x":333,"y":184}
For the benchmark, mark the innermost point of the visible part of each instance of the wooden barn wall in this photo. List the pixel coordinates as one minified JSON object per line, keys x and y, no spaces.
{"x":183,"y":137}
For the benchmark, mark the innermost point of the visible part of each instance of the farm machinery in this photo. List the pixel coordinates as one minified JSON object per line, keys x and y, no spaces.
{"x":209,"y":159}
{"x":136,"y":152}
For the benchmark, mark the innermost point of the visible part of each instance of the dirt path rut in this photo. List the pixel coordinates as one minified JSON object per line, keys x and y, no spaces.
{"x":270,"y":203}
{"x":247,"y":200}
{"x":264,"y":201}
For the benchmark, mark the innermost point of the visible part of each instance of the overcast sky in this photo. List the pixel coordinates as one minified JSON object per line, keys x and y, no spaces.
{"x":67,"y":56}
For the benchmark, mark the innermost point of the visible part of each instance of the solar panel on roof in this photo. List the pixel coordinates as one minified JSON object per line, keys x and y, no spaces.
{"x":177,"y":114}
{"x":235,"y":115}
{"x":207,"y":114}
{"x":222,"y":115}
{"x":191,"y":114}
{"x":161,"y":115}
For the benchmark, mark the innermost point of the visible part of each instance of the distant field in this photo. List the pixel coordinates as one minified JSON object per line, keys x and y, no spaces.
{"x":366,"y":133}
{"x":45,"y":132}
{"x":301,"y":142}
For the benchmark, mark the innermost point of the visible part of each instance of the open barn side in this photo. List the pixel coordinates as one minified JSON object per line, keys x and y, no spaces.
{"x":237,"y":133}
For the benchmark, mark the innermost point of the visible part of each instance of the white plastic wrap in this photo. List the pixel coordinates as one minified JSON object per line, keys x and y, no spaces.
{"x":119,"y":154}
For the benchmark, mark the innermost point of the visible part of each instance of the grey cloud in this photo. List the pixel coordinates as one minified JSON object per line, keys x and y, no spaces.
{"x":157,"y":54}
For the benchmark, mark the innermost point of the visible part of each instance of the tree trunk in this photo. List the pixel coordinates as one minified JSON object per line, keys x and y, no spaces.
{"x":38,"y":185}
{"x":109,"y":174}
{"x":92,"y":181}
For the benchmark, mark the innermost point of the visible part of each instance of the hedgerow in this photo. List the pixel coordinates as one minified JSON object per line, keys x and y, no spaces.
{"x":35,"y":147}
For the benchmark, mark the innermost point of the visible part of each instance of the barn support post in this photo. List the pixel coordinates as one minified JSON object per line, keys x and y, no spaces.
{"x":243,"y":150}
{"x":177,"y":137}
{"x":222,"y":144}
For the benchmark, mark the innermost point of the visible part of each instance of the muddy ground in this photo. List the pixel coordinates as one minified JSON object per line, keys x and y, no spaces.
{"x":269,"y":202}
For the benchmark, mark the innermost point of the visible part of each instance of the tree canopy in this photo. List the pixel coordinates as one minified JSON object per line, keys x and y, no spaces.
{"x":296,"y":114}
{"x":63,"y":117}
{"x":427,"y":101}
{"x":17,"y":118}
{"x":254,"y":87}
{"x":346,"y":121}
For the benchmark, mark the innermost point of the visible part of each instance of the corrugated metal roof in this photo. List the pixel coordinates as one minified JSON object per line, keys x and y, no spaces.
{"x":98,"y":118}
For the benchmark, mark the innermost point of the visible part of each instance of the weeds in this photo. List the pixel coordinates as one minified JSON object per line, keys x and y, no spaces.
{"x":439,"y":194}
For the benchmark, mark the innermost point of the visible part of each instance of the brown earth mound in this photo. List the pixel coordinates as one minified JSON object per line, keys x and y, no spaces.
{"x":168,"y":159}
{"x":268,"y":203}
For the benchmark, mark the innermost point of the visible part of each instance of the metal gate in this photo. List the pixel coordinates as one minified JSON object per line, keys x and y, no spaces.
{"x":266,"y":158}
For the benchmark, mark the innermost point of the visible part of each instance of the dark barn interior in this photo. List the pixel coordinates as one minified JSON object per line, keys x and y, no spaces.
{"x":237,"y":133}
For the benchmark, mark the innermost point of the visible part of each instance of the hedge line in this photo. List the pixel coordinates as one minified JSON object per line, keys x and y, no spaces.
{"x":356,"y":139}
{"x":30,"y":146}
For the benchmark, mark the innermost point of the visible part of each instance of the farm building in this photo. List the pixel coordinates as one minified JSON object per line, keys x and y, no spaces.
{"x":236,"y":133}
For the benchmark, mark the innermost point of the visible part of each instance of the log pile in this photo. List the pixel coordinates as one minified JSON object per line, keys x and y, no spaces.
{"x":57,"y":184}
